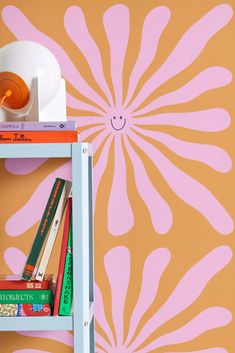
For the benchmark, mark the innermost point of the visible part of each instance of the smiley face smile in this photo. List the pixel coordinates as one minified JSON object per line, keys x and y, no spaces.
{"x":119,"y":122}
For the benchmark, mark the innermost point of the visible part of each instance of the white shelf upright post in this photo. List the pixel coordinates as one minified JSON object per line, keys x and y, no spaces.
{"x":83,"y":300}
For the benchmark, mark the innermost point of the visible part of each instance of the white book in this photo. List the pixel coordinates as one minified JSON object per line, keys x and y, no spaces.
{"x":53,"y":230}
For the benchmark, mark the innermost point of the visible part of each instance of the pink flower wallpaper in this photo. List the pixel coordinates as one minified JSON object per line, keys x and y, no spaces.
{"x":118,"y":120}
{"x":151,"y":87}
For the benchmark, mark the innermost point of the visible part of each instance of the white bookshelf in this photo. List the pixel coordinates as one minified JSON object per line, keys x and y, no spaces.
{"x":82,"y":321}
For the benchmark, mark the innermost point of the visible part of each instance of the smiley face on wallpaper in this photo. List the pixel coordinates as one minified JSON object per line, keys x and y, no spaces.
{"x":126,"y":118}
{"x":118,"y":122}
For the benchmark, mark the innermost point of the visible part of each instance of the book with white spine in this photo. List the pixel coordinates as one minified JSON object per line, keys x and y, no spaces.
{"x":53,"y":231}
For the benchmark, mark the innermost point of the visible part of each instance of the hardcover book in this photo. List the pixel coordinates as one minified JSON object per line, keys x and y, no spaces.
{"x":67,"y":286}
{"x":38,"y":137}
{"x":43,"y":228}
{"x":28,"y":296}
{"x":53,"y":230}
{"x":25,"y":310}
{"x":15,"y":282}
{"x":38,"y":126}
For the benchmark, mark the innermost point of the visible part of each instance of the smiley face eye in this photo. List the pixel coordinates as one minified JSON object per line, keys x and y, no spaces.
{"x":120,"y":117}
{"x":114,"y":117}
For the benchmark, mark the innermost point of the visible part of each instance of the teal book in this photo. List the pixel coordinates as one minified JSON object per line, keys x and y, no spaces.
{"x":27,"y":296}
{"x":67,"y":286}
{"x":43,"y":228}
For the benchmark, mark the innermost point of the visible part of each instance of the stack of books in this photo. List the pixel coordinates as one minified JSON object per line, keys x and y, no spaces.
{"x":38,"y":132}
{"x":34,"y":284}
{"x":24,"y":298}
{"x":35,"y":293}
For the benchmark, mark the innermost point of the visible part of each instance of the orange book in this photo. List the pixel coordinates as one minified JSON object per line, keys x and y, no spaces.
{"x":38,"y":136}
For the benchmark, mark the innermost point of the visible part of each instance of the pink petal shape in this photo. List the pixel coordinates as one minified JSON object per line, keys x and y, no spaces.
{"x":188,"y":189}
{"x":22,"y":166}
{"x":154,"y":24}
{"x":28,"y":215}
{"x":90,"y":131}
{"x":75,"y":103}
{"x":213,"y":156}
{"x":100,"y":167}
{"x":88,"y":120}
{"x":120,"y":215}
{"x":64,"y":337}
{"x":12,"y":276}
{"x":160,"y":212}
{"x":184,"y":53}
{"x":101,"y":342}
{"x":23,"y":29}
{"x":116,"y":24}
{"x":75,"y":25}
{"x":98,"y":140}
{"x":30,"y":351}
{"x":154,"y":267}
{"x":210,"y":120}
{"x":208,"y":79}
{"x":100,"y":314}
{"x":187,"y":290}
{"x":117,"y":267}
{"x":208,"y":319}
{"x":99,"y":350}
{"x":210,"y":350}
{"x":15,"y":259}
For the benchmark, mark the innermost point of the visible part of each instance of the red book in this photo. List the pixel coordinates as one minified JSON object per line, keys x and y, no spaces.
{"x":25,"y":310}
{"x":16,"y":283}
{"x":38,"y":136}
{"x":68,"y":217}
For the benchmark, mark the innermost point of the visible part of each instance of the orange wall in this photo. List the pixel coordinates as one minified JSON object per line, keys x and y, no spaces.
{"x":191,"y":236}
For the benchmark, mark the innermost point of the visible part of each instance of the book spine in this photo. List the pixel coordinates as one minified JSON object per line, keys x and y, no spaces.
{"x":25,"y":296}
{"x":64,"y":243}
{"x":53,"y":231}
{"x":25,"y":310}
{"x":38,"y":137}
{"x":43,"y":228}
{"x":24,"y":285}
{"x":67,"y":286}
{"x":38,"y":126}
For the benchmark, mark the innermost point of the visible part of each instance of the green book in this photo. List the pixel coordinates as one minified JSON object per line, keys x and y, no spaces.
{"x":39,"y":296}
{"x":67,"y":286}
{"x":43,"y":228}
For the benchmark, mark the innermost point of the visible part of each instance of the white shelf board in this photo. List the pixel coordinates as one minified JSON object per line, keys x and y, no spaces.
{"x":36,"y":150}
{"x":40,"y":323}
{"x":36,"y":323}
